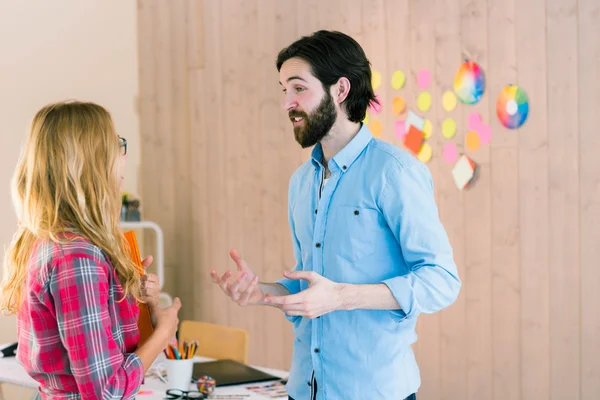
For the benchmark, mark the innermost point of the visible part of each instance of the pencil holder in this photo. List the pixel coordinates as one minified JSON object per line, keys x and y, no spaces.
{"x":179,"y":373}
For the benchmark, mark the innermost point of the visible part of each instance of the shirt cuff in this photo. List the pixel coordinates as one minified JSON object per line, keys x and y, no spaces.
{"x":293,"y":287}
{"x":405,"y":296}
{"x":134,"y":370}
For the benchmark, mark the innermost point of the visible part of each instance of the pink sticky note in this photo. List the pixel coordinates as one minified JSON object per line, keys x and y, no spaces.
{"x":424,"y":79}
{"x":474,"y":121}
{"x":485,"y":133}
{"x":375,"y":108}
{"x":450,"y":153}
{"x":399,"y":129}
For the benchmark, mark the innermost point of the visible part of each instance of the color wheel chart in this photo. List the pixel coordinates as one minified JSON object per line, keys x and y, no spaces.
{"x":512,"y":107}
{"x":469,"y":82}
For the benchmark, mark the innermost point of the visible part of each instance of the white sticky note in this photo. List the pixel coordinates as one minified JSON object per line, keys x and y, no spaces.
{"x":414,"y":120}
{"x":463,"y":172}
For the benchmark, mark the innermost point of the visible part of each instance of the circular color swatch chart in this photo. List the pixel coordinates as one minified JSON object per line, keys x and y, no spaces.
{"x":512,"y":106}
{"x":469,"y":83}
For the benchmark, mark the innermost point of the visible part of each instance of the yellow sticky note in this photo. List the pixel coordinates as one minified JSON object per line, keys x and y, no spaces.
{"x":398,"y":80}
{"x":448,"y":128}
{"x":366,"y":120}
{"x":424,"y":101}
{"x":375,"y":79}
{"x":398,"y":105}
{"x":425,"y":153}
{"x":376,"y":128}
{"x":427,"y":129}
{"x":449,"y":101}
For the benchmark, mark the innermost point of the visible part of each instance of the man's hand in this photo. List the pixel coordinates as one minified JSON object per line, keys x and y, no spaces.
{"x":322,"y":296}
{"x":243,"y":288}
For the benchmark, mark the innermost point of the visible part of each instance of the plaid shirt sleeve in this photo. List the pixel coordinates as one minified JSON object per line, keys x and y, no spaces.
{"x":79,"y":285}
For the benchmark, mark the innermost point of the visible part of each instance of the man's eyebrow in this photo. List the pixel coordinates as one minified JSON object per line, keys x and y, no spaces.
{"x":291,"y":78}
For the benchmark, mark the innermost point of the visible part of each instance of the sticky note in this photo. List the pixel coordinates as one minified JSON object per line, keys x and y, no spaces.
{"x":472,"y":141}
{"x":448,"y":128}
{"x":366,"y":120}
{"x":376,"y":128}
{"x":449,"y":101}
{"x":473,"y":121}
{"x":413,"y":139}
{"x":485,"y":134}
{"x":463,"y":172}
{"x":424,"y":101}
{"x":375,"y":79}
{"x":450,"y":153}
{"x":414,"y":120}
{"x":425,"y":153}
{"x":398,"y":80}
{"x":398,"y":105}
{"x":424,"y":78}
{"x":427,"y":129}
{"x":399,"y":129}
{"x":483,"y":130}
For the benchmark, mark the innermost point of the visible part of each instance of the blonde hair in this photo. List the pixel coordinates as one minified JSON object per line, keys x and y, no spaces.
{"x":66,"y":181}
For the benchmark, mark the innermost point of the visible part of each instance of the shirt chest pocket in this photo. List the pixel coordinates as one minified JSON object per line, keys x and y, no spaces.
{"x":352,"y":232}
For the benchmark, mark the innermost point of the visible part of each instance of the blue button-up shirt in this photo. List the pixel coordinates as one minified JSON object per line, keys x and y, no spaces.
{"x":375,"y":221}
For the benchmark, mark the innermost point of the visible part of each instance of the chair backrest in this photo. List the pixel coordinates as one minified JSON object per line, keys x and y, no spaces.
{"x":216,"y":341}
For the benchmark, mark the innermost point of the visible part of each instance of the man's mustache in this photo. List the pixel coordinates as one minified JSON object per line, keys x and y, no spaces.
{"x":295,"y":114}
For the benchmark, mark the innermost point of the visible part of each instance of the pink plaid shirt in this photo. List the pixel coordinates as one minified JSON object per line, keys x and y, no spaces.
{"x":75,"y":337}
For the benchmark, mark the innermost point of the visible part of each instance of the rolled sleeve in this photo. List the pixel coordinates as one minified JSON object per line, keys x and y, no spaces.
{"x":409,"y":208}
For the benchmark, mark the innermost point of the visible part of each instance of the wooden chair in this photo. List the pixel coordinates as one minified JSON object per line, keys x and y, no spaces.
{"x":216,"y":341}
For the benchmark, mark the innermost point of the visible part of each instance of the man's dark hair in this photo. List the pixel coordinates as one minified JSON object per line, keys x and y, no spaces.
{"x":333,"y":55}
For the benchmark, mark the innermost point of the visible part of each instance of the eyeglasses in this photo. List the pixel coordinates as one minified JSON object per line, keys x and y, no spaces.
{"x":181,"y":394}
{"x":123,"y":144}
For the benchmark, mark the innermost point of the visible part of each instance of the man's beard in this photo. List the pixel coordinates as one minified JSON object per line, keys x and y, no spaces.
{"x":317,"y":125}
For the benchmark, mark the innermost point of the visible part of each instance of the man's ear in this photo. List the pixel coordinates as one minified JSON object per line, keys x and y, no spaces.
{"x":342,"y":90}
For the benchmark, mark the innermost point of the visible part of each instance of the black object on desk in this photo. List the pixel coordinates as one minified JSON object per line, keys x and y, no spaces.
{"x":9,"y":351}
{"x":230,"y":372}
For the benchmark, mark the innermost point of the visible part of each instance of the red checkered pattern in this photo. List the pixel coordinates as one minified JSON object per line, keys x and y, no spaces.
{"x":75,"y":335}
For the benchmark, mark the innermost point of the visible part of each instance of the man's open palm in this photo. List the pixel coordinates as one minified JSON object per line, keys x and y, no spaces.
{"x":243,"y":288}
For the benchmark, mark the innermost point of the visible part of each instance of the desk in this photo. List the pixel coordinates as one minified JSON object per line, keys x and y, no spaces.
{"x":153,"y":388}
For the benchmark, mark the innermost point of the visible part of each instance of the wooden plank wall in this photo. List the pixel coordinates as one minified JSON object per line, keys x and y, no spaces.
{"x":218,"y":151}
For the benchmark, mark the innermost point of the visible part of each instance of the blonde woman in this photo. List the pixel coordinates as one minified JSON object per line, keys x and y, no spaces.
{"x":69,"y":278}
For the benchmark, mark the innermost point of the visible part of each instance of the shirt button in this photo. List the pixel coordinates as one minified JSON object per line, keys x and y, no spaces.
{"x":318,"y":245}
{"x":344,"y":167}
{"x":316,"y":350}
{"x":356,"y":212}
{"x":316,"y":211}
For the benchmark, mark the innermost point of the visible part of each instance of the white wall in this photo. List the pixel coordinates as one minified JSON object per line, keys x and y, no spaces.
{"x":56,"y":50}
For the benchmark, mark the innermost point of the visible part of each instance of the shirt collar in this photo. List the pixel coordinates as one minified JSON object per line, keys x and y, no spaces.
{"x":345,"y":157}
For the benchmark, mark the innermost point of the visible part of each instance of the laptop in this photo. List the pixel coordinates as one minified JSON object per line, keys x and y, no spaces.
{"x":230,"y":372}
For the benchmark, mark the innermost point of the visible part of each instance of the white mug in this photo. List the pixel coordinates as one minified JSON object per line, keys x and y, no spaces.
{"x":179,"y":373}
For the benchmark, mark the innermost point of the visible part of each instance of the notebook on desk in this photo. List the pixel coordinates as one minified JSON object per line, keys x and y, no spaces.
{"x":229,"y":372}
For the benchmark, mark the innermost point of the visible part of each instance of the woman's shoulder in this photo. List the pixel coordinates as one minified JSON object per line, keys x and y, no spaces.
{"x":69,"y":249}
{"x":65,"y":256}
